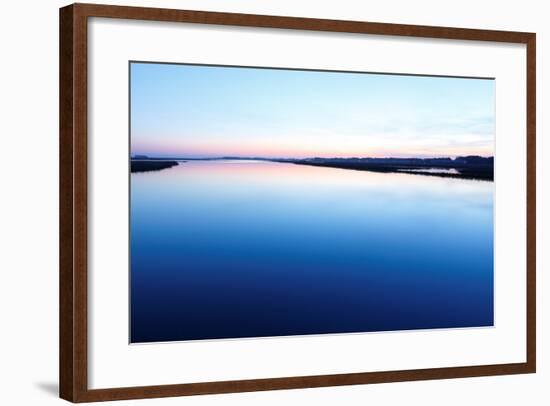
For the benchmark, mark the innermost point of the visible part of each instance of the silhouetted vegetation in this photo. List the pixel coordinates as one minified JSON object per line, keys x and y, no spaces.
{"x":463,"y":167}
{"x":145,"y":165}
{"x":467,"y":167}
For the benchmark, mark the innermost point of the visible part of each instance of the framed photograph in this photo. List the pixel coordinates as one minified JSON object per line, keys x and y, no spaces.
{"x":256,"y":202}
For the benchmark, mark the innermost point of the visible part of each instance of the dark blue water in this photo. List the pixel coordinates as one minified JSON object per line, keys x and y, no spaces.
{"x":228,"y":249}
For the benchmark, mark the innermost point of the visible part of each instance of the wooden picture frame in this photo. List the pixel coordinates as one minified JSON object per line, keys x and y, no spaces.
{"x":73,"y":207}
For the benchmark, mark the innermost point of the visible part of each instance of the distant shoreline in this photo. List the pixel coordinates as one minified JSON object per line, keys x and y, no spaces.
{"x":145,"y":165}
{"x":468,"y":167}
{"x":484,"y":173}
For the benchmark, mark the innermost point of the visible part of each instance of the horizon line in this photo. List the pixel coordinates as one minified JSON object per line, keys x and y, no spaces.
{"x":133,"y":155}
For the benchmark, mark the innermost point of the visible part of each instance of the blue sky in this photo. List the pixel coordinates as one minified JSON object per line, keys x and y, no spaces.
{"x":202,"y":111}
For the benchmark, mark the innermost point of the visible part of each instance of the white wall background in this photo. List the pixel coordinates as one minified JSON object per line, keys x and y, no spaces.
{"x":29,"y":187}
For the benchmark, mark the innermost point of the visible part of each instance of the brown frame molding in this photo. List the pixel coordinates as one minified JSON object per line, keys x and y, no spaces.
{"x":73,"y":361}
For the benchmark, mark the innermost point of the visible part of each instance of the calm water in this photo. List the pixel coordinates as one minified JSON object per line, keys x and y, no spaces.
{"x":225,"y":249}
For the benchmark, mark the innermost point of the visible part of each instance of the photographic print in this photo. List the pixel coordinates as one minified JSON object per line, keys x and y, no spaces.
{"x":268,"y":202}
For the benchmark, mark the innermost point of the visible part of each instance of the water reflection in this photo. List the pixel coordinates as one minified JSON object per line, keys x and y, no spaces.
{"x":451,"y":171}
{"x":224,"y":249}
